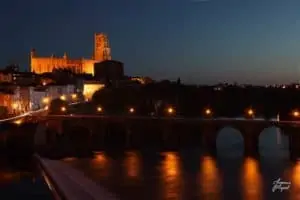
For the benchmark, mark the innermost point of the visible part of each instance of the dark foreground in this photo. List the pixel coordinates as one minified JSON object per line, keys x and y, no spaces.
{"x":19,"y":179}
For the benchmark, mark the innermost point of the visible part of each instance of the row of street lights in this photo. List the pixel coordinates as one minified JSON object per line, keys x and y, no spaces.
{"x":171,"y":111}
{"x":46,"y":100}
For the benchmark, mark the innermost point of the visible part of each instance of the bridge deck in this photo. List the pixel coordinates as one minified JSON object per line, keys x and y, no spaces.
{"x":72,"y":183}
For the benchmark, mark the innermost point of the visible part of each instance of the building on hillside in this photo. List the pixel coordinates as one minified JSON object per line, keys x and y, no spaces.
{"x":90,"y":87}
{"x":10,"y":98}
{"x":56,"y":91}
{"x":38,"y":98}
{"x":18,"y":78}
{"x":42,"y":96}
{"x":5,"y":77}
{"x":21,"y":99}
{"x":25,"y":78}
{"x":24,"y":100}
{"x":6,"y":100}
{"x":48,"y":64}
{"x":142,"y":80}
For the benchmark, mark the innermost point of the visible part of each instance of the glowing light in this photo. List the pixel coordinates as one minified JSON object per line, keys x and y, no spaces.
{"x":250,"y":112}
{"x":100,"y":157}
{"x":74,"y":96}
{"x":296,"y":114}
{"x":131,"y":110}
{"x":251,"y":180}
{"x":46,"y":107}
{"x":170,"y":110}
{"x":101,"y":164}
{"x":209,"y":179}
{"x":207,"y":111}
{"x":63,"y":97}
{"x":63,"y":109}
{"x":171,"y":176}
{"x":18,"y":122}
{"x":90,"y":88}
{"x":132,"y":164}
{"x":46,"y":100}
{"x":99,"y":109}
{"x":15,"y":105}
{"x":295,"y":179}
{"x":44,"y":83}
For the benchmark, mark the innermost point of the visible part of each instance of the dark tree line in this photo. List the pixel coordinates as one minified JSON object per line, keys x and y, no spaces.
{"x":190,"y":101}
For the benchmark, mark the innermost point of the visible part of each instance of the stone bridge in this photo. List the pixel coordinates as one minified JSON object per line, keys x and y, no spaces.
{"x":136,"y":132}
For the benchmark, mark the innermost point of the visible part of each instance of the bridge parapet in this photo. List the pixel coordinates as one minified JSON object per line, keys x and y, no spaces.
{"x":69,"y":183}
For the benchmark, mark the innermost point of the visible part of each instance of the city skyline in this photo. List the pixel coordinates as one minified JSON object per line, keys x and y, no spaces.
{"x":198,"y":41}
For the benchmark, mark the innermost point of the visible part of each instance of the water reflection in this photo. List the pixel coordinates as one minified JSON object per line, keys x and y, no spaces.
{"x":230,"y":142}
{"x":69,"y":159}
{"x":16,"y":183}
{"x":100,"y":165}
{"x":210,"y":181}
{"x":273,"y":144}
{"x":171,"y":175}
{"x":8,"y":177}
{"x":295,"y":180}
{"x":251,"y":180}
{"x":133,"y":165}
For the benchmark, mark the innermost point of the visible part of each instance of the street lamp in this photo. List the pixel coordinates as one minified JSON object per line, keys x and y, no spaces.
{"x":99,"y":109}
{"x":63,"y":97}
{"x":131,"y":110}
{"x":250,"y":112}
{"x":208,"y":111}
{"x":63,"y":109}
{"x":18,"y":122}
{"x":74,"y":96}
{"x":296,"y":113}
{"x":170,"y":110}
{"x":46,"y":100}
{"x":14,"y":105}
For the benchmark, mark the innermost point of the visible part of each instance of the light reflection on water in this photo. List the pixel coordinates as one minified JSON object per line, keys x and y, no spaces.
{"x":133,"y":165}
{"x":210,"y":179}
{"x":19,"y":184}
{"x":251,"y":180}
{"x":100,"y":165}
{"x":295,"y":179}
{"x":190,"y":175}
{"x":171,"y":176}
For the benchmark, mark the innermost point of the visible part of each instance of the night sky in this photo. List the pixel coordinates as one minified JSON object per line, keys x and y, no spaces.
{"x":248,"y":41}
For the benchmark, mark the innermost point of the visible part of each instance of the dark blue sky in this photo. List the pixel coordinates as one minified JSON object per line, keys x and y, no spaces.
{"x":248,"y":41}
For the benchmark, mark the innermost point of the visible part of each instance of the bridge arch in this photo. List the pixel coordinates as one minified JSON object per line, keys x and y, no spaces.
{"x":272,"y":142}
{"x":229,"y":141}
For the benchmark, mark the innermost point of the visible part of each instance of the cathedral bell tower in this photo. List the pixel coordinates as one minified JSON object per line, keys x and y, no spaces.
{"x":101,"y":47}
{"x":32,"y":55}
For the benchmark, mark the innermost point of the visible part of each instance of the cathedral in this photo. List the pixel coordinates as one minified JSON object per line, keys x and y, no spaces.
{"x":41,"y":65}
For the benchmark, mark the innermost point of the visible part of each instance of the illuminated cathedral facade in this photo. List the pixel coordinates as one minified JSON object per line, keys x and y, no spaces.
{"x":41,"y":65}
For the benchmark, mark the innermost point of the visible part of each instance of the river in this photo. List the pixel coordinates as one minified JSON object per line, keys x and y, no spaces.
{"x":20,"y":180}
{"x":189,"y":175}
